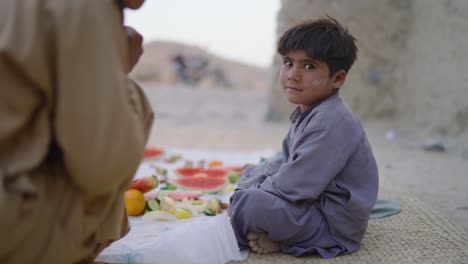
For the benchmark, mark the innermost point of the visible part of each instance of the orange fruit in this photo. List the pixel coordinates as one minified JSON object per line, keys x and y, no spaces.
{"x":215,"y":163}
{"x":134,"y":202}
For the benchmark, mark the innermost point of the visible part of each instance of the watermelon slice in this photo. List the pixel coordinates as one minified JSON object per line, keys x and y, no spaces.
{"x":152,"y":152}
{"x":204,"y":184}
{"x":236,"y":168}
{"x":210,"y":172}
{"x":179,"y":195}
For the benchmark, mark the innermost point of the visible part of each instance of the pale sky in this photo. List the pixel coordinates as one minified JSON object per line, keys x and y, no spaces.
{"x":243,"y":30}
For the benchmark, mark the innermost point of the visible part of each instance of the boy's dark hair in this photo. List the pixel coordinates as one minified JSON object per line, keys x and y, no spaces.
{"x":323,"y":39}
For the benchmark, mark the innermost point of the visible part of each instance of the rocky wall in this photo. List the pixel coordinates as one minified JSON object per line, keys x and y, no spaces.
{"x":412,"y":64}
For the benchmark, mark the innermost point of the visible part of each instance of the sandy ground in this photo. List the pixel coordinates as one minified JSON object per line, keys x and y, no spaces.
{"x":232,"y":120}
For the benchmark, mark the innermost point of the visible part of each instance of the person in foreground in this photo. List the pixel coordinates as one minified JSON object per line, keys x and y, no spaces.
{"x":73,"y":127}
{"x":317,"y":194}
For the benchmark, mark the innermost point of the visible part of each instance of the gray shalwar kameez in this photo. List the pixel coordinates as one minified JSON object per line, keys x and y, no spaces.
{"x":315,"y":196}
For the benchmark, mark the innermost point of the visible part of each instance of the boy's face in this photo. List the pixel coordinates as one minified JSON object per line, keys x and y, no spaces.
{"x":306,"y":81}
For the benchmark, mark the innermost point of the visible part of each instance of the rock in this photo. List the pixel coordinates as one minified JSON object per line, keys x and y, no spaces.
{"x":433,"y":145}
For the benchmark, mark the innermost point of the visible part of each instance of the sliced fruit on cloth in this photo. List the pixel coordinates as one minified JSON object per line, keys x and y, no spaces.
{"x":173,"y":158}
{"x":134,"y":202}
{"x":209,"y":212}
{"x":151,"y":195}
{"x":181,"y":213}
{"x":158,"y":216}
{"x":215,"y":163}
{"x":236,"y":168}
{"x":178,"y":195}
{"x":214,"y":204}
{"x":152,"y":205}
{"x":145,"y":184}
{"x":169,"y":186}
{"x":168,"y":205}
{"x":195,"y":207}
{"x":201,"y":183}
{"x":233,"y":177}
{"x":211,"y":172}
{"x":152,"y":152}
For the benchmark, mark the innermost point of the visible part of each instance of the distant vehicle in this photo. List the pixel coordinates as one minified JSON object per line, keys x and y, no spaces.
{"x":192,"y":69}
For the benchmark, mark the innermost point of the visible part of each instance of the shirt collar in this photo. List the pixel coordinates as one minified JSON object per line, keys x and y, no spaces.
{"x":295,"y":115}
{"x":297,"y":112}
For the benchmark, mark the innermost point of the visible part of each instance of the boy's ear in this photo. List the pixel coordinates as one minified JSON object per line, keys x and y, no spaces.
{"x":338,"y":79}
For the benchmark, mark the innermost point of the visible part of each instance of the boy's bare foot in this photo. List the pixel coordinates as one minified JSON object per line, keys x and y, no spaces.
{"x":262,"y":244}
{"x":253,"y":238}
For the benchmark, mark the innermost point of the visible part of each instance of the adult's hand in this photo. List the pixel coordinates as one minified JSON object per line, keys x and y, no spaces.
{"x":133,"y":4}
{"x":135,"y":47}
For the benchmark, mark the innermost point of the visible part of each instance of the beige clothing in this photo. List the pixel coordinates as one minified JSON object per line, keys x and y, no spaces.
{"x":72,"y":129}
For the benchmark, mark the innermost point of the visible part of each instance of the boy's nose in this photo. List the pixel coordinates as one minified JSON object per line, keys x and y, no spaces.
{"x":293,"y":74}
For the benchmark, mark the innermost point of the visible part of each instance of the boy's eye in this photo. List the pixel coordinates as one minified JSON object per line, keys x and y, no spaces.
{"x":309,"y":67}
{"x":287,"y":63}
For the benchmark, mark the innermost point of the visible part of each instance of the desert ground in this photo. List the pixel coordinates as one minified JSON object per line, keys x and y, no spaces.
{"x":232,"y":120}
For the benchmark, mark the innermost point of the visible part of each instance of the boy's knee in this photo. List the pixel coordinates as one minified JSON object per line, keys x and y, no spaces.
{"x":250,"y":201}
{"x":247,"y":196}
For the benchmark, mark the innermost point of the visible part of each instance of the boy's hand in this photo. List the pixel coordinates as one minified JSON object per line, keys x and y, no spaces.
{"x":135,"y":47}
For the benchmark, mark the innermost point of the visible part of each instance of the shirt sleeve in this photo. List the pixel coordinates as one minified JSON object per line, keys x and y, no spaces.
{"x":321,"y":153}
{"x":256,"y":174}
{"x":141,"y":105}
{"x":102,"y":119}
